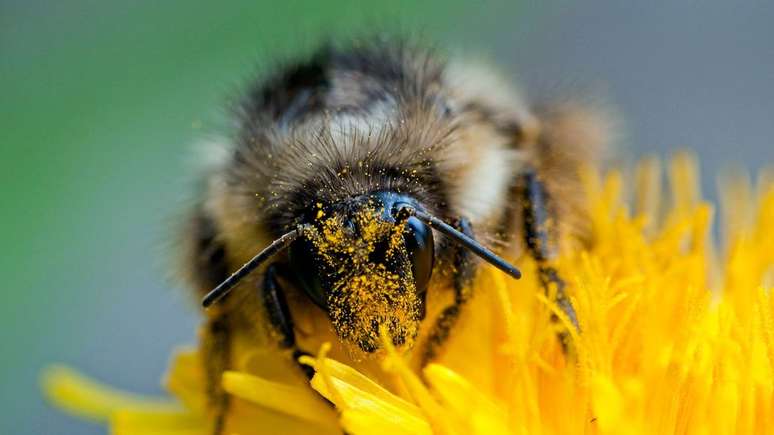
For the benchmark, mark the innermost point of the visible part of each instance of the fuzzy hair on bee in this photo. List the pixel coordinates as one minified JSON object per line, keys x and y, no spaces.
{"x":332,"y":153}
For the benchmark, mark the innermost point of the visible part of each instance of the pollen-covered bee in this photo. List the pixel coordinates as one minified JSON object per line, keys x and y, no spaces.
{"x":359,"y":192}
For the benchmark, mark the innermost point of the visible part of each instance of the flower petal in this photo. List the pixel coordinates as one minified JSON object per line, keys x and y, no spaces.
{"x":92,"y":400}
{"x":290,"y":400}
{"x":366,"y":406}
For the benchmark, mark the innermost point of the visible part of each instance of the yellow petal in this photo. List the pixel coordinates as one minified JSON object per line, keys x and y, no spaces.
{"x":127,"y":422}
{"x":90,"y":399}
{"x":367,"y":407}
{"x":186,"y":379}
{"x":464,"y":400}
{"x":293,"y":401}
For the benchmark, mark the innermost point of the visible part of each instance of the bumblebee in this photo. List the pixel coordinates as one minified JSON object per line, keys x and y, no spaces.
{"x":359,"y":191}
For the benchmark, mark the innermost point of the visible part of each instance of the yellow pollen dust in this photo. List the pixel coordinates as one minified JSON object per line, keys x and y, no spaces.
{"x":371,"y":282}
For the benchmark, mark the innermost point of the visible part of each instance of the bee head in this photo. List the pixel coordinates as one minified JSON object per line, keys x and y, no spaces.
{"x":367,"y":264}
{"x":366,"y":260}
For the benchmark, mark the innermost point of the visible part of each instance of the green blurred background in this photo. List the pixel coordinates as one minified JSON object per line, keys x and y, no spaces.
{"x":101,"y":101}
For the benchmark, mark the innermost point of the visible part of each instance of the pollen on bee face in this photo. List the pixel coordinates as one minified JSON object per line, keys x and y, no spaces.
{"x":372,"y":282}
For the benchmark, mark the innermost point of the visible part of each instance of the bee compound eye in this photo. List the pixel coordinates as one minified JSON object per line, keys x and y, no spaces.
{"x":421,"y":250}
{"x":305,"y":266}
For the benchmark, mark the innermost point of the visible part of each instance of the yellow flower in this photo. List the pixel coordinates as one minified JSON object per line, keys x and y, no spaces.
{"x":674,"y":338}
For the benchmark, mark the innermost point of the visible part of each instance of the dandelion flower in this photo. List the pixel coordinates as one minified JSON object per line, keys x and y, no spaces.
{"x":675,"y":337}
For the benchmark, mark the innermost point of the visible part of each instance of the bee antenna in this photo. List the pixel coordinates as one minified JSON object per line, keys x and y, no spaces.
{"x":276,"y":246}
{"x":460,"y":238}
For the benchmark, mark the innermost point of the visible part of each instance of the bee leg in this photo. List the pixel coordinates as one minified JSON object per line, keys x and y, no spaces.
{"x":463,"y":275}
{"x":216,"y":351}
{"x":279,"y":314}
{"x":540,"y":232}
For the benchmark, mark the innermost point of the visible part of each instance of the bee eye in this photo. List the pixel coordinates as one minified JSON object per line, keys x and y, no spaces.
{"x":305,"y":267}
{"x":420,"y":247}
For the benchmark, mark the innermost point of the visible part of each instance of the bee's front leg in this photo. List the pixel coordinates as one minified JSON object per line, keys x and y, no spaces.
{"x":216,"y":343}
{"x":279,"y":313}
{"x":540,"y":236}
{"x":216,"y":354}
{"x":464,"y":270}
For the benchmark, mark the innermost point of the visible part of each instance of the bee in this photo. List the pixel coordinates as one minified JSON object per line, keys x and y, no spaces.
{"x":361,"y":189}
